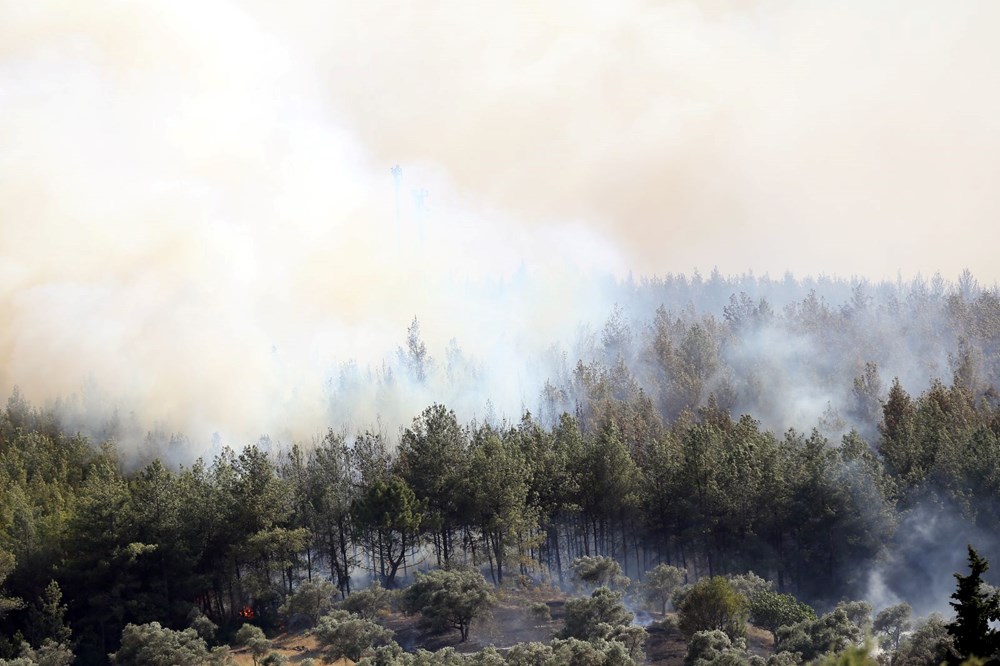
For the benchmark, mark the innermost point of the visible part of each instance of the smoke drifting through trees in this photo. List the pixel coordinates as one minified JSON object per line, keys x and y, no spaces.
{"x":196,"y":196}
{"x":198,"y":235}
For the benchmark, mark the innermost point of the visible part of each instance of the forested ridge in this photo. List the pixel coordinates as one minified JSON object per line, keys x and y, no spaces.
{"x":668,"y":439}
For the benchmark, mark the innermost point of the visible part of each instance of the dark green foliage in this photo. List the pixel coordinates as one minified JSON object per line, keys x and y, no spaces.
{"x":498,"y":493}
{"x":274,"y":659}
{"x":48,"y":618}
{"x":712,"y":603}
{"x":391,"y":515}
{"x":7,"y":603}
{"x":975,"y":607}
{"x":770,"y":610}
{"x":432,"y":463}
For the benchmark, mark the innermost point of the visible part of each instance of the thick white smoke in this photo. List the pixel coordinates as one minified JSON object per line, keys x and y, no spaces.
{"x":198,"y":224}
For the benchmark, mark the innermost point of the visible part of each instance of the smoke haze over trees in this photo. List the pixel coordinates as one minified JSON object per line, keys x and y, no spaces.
{"x":674,"y":438}
{"x":320,"y":291}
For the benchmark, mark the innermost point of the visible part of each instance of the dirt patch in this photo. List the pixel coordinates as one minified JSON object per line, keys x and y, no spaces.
{"x":510,"y":622}
{"x":294,"y":647}
{"x":665,"y":644}
{"x":760,"y":641}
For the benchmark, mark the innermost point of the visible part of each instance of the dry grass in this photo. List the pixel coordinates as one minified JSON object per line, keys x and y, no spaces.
{"x":294,"y":647}
{"x":511,"y":622}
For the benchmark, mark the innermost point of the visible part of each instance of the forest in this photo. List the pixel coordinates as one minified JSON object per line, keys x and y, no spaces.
{"x":839,"y":439}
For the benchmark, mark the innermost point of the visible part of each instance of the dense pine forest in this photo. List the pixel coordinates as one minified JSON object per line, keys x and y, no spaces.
{"x":840,"y":439}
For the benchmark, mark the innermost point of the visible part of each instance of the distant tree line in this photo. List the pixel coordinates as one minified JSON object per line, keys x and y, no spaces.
{"x":614,"y":464}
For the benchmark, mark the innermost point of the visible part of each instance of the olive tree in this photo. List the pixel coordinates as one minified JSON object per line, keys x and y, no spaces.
{"x":770,"y":610}
{"x":712,"y":603}
{"x":893,"y":622}
{"x":449,"y":598}
{"x":255,"y":641}
{"x":153,"y":645}
{"x":344,"y":634}
{"x":599,"y":571}
{"x":830,"y":633}
{"x":311,"y":598}
{"x":660,"y":583}
{"x":603,"y":620}
{"x":368,"y":602}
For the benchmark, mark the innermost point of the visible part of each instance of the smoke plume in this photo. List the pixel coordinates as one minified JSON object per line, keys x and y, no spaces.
{"x":198,"y":225}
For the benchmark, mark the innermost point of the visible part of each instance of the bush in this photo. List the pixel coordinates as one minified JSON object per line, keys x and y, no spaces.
{"x":680,"y":594}
{"x":892,"y":622}
{"x":312,"y":598}
{"x":660,"y":584}
{"x":831,"y":633}
{"x":930,"y":643}
{"x":712,"y":603}
{"x":344,"y":634}
{"x":858,"y":612}
{"x":153,"y":644}
{"x":390,"y":654}
{"x":49,"y":653}
{"x":749,"y":584}
{"x":541,"y":612}
{"x":449,"y":598}
{"x":368,"y":602}
{"x":253,"y":637}
{"x":574,"y":651}
{"x":599,"y":572}
{"x":205,"y":628}
{"x":771,"y":610}
{"x":586,"y":615}
{"x":714,"y":648}
{"x":603,"y":621}
{"x":530,"y":654}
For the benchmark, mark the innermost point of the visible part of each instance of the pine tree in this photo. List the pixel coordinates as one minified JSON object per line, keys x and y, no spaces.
{"x":975,"y":608}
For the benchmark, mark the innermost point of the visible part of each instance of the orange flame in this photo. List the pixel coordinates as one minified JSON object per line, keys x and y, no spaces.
{"x":246,"y":613}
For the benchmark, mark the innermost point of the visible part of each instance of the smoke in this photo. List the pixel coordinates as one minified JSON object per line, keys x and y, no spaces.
{"x":191,"y":231}
{"x":198,"y":226}
{"x":929,"y":548}
{"x":761,"y":134}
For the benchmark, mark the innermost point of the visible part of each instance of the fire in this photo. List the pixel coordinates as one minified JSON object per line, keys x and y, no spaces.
{"x":246,"y":613}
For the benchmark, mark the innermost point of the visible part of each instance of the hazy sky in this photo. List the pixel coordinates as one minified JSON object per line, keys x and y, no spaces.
{"x":196,"y":208}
